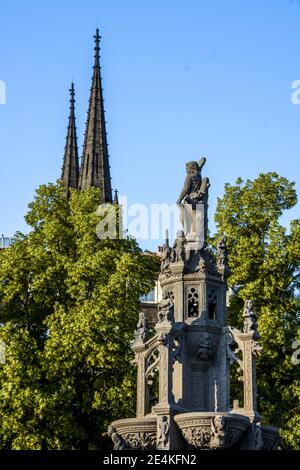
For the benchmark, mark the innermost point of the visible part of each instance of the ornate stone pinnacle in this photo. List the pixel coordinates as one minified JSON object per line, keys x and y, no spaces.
{"x":97,"y":38}
{"x":95,"y":169}
{"x":70,"y":169}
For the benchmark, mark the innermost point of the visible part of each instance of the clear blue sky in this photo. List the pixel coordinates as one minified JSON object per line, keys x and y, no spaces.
{"x":181,"y":78}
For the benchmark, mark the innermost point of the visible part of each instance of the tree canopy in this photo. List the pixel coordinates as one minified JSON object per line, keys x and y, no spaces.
{"x":70,"y":303}
{"x":265,"y":263}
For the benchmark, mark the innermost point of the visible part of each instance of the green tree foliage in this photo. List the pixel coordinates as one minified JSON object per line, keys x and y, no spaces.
{"x":70,"y":304}
{"x":265,"y":265}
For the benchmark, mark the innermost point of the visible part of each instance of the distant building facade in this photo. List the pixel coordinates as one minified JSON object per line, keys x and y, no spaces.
{"x":6,"y":242}
{"x":150,"y":301}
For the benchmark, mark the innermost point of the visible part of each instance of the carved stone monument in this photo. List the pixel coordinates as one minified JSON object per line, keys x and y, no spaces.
{"x":183,"y":370}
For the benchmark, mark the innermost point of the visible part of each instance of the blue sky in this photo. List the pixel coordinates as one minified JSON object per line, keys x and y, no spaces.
{"x":181,"y":78}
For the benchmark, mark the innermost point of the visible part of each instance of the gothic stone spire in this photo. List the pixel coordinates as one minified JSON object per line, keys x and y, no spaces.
{"x":95,"y":170}
{"x":70,"y":169}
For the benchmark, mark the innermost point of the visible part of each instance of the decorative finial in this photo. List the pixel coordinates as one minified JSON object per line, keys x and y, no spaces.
{"x":72,"y":96}
{"x":141,"y":332}
{"x":222,"y":256}
{"x":116,"y":199}
{"x":95,"y":169}
{"x":97,"y":38}
{"x":70,"y":170}
{"x":249,"y":316}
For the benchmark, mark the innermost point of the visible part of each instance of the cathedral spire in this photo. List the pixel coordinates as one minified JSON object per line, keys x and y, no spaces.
{"x":70,"y":169}
{"x":95,"y":170}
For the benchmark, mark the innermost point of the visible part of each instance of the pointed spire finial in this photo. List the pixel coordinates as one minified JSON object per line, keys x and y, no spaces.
{"x":95,"y":169}
{"x":70,"y":170}
{"x":72,"y":92}
{"x":116,"y":199}
{"x":72,"y":97}
{"x":97,"y":38}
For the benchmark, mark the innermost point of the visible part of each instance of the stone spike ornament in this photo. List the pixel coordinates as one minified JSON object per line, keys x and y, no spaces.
{"x":190,"y":354}
{"x":116,"y":198}
{"x":70,"y":169}
{"x":95,"y":169}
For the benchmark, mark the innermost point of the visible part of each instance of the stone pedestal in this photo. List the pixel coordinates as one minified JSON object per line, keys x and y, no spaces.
{"x":195,"y":225}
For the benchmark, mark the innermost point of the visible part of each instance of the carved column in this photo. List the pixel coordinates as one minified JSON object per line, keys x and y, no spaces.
{"x":168,"y":434}
{"x":249,"y":365}
{"x":165,"y":423}
{"x":142,"y":391}
{"x":165,"y":368}
{"x":249,"y":349}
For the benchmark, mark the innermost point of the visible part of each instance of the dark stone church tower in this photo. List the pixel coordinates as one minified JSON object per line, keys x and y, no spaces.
{"x":70,"y":169}
{"x":95,"y":169}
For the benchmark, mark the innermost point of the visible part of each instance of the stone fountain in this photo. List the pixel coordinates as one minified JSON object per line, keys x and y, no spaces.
{"x":183,"y":370}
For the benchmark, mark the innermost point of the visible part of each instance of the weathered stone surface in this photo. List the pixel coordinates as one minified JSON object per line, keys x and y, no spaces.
{"x":95,"y":169}
{"x":137,"y":433}
{"x":70,"y":169}
{"x":205,"y":430}
{"x":192,"y":349}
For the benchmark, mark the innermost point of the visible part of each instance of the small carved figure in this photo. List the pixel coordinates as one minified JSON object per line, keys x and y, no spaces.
{"x":236,"y":404}
{"x":166,"y":308}
{"x":250,"y":319}
{"x":179,"y":247}
{"x":211,"y":262}
{"x":222,"y":252}
{"x":142,"y":328}
{"x":163,"y":431}
{"x":207,"y":264}
{"x":118,"y":441}
{"x":248,"y":309}
{"x":218,"y":428}
{"x":166,"y":259}
{"x":202,"y":268}
{"x":204,"y":351}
